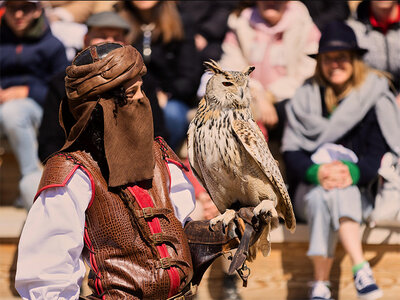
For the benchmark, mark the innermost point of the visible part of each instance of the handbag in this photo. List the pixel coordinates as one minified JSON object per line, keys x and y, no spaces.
{"x":387,"y":199}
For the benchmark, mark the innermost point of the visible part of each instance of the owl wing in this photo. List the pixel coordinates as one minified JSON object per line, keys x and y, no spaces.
{"x":250,"y":136}
{"x":194,"y":165}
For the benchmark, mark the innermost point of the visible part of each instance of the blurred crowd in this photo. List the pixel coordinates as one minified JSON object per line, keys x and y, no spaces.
{"x":325,"y":95}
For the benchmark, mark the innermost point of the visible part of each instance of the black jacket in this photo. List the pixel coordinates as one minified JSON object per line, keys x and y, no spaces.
{"x":210,"y":19}
{"x":30,"y":60}
{"x":323,"y":12}
{"x":174,"y":67}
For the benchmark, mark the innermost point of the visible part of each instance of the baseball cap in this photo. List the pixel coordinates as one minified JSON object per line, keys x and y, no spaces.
{"x":107,"y":19}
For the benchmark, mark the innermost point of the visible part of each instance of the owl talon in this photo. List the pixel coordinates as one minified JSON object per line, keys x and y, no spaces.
{"x":265,"y":210}
{"x":212,"y":225}
{"x":225,"y":218}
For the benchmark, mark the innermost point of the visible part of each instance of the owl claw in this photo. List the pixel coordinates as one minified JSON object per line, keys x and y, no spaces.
{"x":227,"y":217}
{"x":264,"y":209}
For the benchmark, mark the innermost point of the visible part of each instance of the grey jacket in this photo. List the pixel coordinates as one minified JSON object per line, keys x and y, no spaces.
{"x":383,"y":49}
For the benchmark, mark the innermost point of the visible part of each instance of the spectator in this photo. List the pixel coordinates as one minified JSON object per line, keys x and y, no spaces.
{"x":76,"y":11}
{"x":275,"y":37}
{"x":377,"y":27}
{"x":166,"y":42}
{"x":323,"y":12}
{"x":67,"y":20}
{"x":29,"y":56}
{"x":102,"y":27}
{"x":210,"y":20}
{"x":340,"y":123}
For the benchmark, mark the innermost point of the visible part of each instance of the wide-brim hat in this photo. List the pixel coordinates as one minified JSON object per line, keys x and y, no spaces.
{"x":337,"y":36}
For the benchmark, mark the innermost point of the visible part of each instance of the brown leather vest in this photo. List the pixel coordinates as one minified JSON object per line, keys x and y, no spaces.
{"x":128,"y":256}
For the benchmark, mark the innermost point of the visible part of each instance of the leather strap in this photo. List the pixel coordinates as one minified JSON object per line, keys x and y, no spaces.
{"x":189,"y":292}
{"x":151,"y":212}
{"x":144,"y":200}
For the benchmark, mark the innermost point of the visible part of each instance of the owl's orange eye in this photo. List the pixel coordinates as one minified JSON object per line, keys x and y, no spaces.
{"x":227,"y":83}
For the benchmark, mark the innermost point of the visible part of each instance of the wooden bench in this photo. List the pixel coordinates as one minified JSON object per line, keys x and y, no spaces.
{"x":283,"y":275}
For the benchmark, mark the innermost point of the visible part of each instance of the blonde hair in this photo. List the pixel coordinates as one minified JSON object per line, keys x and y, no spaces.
{"x":360,"y":71}
{"x":165,"y":16}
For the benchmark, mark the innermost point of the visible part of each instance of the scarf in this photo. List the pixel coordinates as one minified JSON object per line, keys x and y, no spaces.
{"x":128,"y":129}
{"x":307,"y":129}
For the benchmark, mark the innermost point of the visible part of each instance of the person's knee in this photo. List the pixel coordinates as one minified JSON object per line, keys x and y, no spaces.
{"x":315,"y":201}
{"x":16,"y":114}
{"x":346,"y":219}
{"x":176,"y":111}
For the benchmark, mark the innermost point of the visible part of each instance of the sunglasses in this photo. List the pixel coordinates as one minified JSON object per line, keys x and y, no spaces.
{"x":26,"y":8}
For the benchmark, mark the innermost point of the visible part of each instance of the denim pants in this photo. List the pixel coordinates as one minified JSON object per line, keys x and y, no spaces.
{"x":19,"y":121}
{"x":175,"y":114}
{"x":322,"y":210}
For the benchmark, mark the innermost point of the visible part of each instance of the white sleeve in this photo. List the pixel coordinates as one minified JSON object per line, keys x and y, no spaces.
{"x":181,"y":193}
{"x":49,"y":262}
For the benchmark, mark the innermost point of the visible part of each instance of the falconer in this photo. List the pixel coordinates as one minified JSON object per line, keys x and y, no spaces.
{"x":113,"y":196}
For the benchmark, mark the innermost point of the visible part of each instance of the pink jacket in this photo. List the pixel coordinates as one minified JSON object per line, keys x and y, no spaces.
{"x":279,"y":53}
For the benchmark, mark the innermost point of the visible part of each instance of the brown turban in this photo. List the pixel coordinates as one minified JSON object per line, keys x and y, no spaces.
{"x":128,"y":129}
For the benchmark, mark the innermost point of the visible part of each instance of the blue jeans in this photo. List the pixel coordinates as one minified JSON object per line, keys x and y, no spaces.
{"x":175,"y":114}
{"x":19,"y":121}
{"x":322,"y":210}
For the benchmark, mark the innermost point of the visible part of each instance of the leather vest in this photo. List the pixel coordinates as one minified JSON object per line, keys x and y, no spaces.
{"x":134,"y":245}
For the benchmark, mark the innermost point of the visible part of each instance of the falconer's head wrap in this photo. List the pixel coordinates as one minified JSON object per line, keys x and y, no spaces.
{"x":128,"y":123}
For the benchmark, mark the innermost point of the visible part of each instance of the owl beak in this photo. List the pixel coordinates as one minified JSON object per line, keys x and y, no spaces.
{"x":241,"y":93}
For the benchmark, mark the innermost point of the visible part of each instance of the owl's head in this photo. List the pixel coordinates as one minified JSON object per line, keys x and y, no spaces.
{"x":229,"y":89}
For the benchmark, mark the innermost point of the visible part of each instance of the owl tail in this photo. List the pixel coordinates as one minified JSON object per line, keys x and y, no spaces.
{"x":264,"y":242}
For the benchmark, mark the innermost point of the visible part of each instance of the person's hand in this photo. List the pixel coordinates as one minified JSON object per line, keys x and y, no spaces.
{"x":334,"y":175}
{"x":268,"y":114}
{"x":265,"y":109}
{"x":14,"y":92}
{"x":162,"y":98}
{"x":398,"y":100}
{"x":200,"y":42}
{"x":209,"y":209}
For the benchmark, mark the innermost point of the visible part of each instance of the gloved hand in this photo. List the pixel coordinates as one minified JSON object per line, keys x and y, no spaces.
{"x":207,"y":244}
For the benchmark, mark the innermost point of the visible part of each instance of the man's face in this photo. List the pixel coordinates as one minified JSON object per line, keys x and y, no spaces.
{"x":19,"y":15}
{"x":133,"y":89}
{"x":97,"y":35}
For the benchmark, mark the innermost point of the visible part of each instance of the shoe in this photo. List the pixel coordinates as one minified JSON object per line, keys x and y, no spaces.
{"x":229,"y":288}
{"x":365,"y":284}
{"x":320,"y":290}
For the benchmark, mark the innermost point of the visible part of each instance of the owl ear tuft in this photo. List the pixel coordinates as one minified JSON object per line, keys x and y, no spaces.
{"x":249,"y":70}
{"x":213,"y":67}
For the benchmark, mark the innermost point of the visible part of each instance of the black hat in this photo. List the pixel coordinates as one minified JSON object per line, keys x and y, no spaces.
{"x":108,"y":19}
{"x":337,"y":36}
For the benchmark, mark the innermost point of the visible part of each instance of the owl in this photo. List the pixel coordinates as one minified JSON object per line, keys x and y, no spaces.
{"x":230,"y":157}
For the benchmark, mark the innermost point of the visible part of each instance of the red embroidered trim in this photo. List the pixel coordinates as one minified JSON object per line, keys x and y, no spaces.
{"x":93,"y":265}
{"x":144,"y":200}
{"x":66,"y":181}
{"x":57,"y":185}
{"x":179,"y":164}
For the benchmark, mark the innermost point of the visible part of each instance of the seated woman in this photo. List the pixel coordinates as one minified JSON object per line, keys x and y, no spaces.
{"x":340,"y":124}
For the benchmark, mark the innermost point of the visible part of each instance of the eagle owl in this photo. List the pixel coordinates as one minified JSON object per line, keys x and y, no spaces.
{"x":230,"y":157}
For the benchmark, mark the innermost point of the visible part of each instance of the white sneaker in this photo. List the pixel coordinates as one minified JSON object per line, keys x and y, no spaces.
{"x":365,"y":284}
{"x":320,"y":290}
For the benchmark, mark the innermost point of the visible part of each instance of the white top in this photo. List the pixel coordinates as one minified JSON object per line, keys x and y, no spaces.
{"x":49,"y":264}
